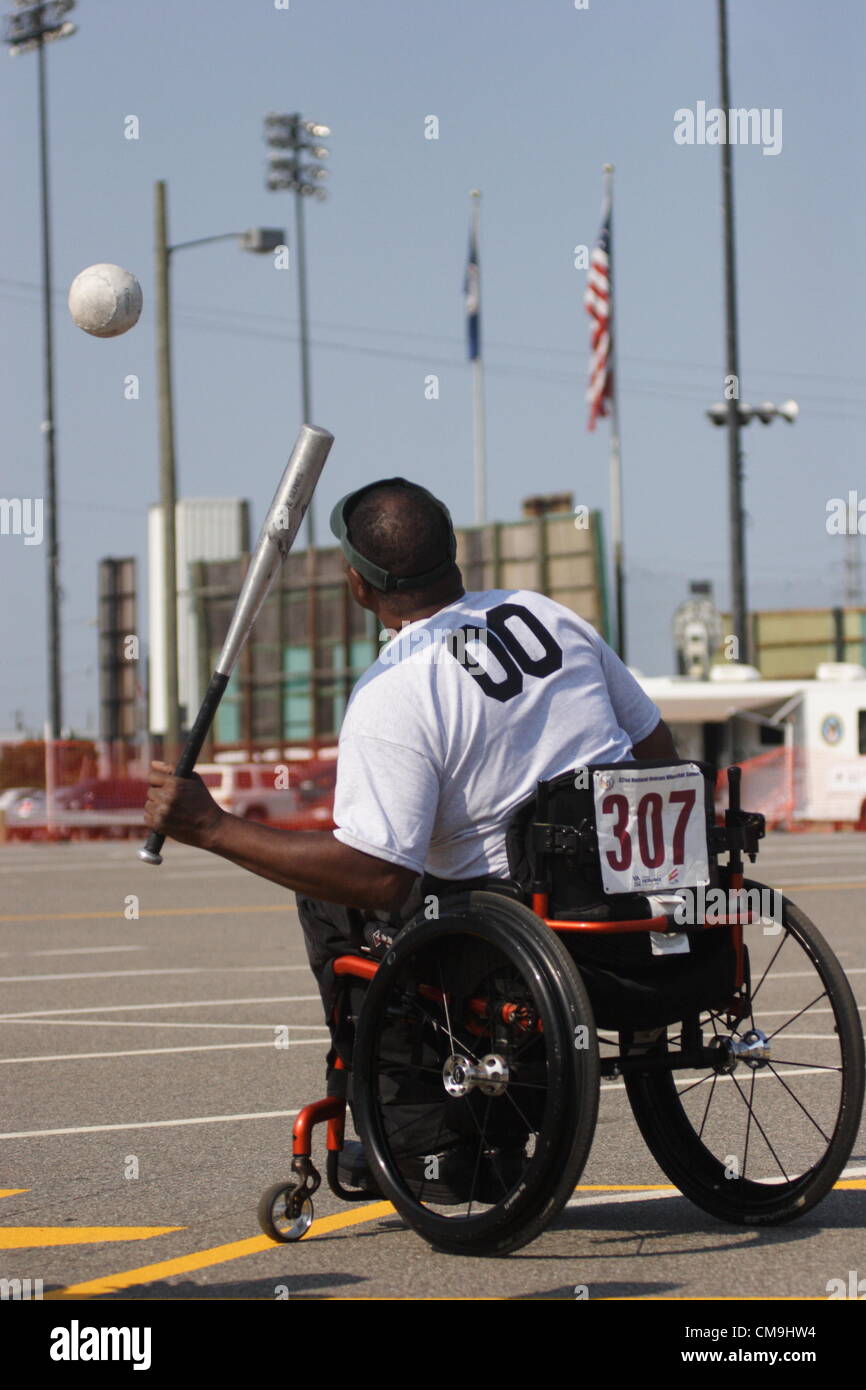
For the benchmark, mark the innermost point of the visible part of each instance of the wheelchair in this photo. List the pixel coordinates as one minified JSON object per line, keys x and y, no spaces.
{"x":475,"y":1046}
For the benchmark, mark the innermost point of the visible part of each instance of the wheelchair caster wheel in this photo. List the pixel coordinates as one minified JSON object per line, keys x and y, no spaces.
{"x":285,"y":1212}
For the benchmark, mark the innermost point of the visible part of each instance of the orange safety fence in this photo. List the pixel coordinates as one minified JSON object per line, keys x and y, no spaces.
{"x":801,"y":789}
{"x":769,"y":785}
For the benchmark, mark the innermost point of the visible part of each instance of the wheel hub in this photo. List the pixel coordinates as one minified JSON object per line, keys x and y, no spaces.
{"x":753,"y":1048}
{"x":461,"y":1075}
{"x":292,"y":1213}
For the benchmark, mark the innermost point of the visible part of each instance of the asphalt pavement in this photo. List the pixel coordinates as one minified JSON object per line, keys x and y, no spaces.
{"x":160,"y":1029}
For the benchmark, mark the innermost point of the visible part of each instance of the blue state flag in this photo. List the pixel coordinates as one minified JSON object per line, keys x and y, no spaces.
{"x":472,"y":290}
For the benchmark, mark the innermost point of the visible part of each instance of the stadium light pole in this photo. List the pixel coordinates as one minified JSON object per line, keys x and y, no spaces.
{"x":259,"y":240}
{"x":301,"y":173}
{"x":31,"y":26}
{"x":720,"y":414}
{"x":736,"y":519}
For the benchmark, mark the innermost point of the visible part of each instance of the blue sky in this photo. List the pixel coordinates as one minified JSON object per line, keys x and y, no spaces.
{"x":531,"y":99}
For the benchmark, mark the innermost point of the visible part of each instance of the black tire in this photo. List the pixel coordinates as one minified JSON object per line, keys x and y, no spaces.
{"x":284,"y":1212}
{"x":791,"y":1140}
{"x":485,"y":979}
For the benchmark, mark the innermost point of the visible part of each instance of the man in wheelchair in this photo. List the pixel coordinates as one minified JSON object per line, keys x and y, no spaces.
{"x":473,"y":700}
{"x":474,"y":1045}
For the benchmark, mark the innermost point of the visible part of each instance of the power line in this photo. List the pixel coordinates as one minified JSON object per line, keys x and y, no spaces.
{"x":684,"y":391}
{"x":225,"y":317}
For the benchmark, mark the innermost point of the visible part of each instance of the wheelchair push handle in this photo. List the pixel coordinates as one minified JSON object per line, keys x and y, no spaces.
{"x":732,"y":818}
{"x":742,"y":829}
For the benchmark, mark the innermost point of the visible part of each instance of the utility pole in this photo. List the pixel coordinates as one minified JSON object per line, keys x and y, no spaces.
{"x":30,"y":27}
{"x":736,"y":518}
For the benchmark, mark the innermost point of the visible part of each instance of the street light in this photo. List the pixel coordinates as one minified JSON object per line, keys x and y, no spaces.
{"x":301,"y":174}
{"x":31,"y":24}
{"x":258,"y":240}
{"x":30,"y":27}
{"x":765,"y":412}
{"x":719,"y":414}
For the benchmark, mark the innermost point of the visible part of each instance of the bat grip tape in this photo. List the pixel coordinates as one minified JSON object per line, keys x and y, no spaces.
{"x":189,"y":754}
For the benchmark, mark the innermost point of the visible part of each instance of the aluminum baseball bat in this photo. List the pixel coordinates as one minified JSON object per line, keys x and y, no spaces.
{"x":281,"y":526}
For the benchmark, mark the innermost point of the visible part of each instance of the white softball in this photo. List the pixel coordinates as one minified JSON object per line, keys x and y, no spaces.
{"x":105,"y":300}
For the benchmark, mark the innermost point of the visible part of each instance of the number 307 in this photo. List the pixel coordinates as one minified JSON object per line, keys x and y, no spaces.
{"x":650,"y":828}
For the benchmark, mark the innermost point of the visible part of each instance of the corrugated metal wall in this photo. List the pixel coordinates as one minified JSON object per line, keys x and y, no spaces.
{"x":789,"y":644}
{"x":280,"y":692}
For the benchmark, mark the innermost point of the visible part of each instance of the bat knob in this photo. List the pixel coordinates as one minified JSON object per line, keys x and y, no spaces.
{"x":148,"y":856}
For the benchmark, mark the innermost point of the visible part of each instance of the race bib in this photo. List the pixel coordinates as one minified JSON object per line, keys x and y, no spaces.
{"x":651,"y":827}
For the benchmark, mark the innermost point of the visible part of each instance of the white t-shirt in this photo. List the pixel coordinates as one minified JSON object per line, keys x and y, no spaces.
{"x":450,"y":730}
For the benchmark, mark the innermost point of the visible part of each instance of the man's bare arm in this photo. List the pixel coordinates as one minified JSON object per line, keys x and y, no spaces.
{"x":658,"y":744}
{"x":311,"y":862}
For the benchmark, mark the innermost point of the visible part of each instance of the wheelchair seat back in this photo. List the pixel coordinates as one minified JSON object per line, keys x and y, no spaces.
{"x":553,"y":847}
{"x":553,"y":840}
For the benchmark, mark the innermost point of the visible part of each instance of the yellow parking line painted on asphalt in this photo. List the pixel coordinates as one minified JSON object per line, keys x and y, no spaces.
{"x":218,"y":1254}
{"x":825,"y":887}
{"x":12,"y":1191}
{"x":41,"y":1237}
{"x":239,"y":1249}
{"x":627,"y":1187}
{"x":149,"y":912}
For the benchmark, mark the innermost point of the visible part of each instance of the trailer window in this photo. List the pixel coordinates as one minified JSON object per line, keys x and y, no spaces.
{"x":861,"y":719}
{"x":770,"y":738}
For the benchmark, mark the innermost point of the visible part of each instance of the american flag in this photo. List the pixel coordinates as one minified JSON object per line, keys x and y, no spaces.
{"x":597,"y":301}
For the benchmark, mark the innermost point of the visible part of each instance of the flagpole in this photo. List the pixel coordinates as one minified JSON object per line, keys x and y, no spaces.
{"x":479,"y":441}
{"x":615,"y":461}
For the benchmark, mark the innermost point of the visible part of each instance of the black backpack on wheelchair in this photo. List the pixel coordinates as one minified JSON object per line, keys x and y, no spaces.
{"x":552,"y":845}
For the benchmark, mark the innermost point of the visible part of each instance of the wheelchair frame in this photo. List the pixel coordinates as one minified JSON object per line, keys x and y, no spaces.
{"x":285,"y":1211}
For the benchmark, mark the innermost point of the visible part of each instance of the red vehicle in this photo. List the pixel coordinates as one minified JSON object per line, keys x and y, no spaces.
{"x":316,"y":781}
{"x":108,"y":794}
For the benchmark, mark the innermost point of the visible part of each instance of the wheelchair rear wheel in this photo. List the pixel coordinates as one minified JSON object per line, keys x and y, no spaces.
{"x":476,"y":1075}
{"x":763,"y":1136}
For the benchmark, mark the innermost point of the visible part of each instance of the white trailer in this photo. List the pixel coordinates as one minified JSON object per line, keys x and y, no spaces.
{"x":801,"y":743}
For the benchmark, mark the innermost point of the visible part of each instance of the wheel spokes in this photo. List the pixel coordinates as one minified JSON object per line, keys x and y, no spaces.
{"x":797,"y":1101}
{"x":754,"y":993}
{"x":799,"y":1014}
{"x":470,"y":1015}
{"x":707,"y":1106}
{"x":760,"y":1127}
{"x":782,"y":1116}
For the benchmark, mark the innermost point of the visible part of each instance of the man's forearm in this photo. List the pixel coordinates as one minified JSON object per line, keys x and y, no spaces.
{"x":311,"y":862}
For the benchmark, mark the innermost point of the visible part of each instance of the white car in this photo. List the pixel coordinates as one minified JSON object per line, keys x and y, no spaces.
{"x":251,"y":790}
{"x":22,"y":805}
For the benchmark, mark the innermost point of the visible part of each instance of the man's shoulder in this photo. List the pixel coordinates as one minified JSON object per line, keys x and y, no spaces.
{"x":483,"y":600}
{"x":542,"y":605}
{"x":386,"y":700}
